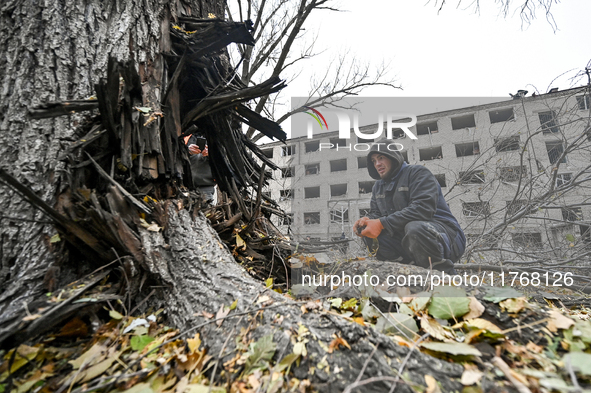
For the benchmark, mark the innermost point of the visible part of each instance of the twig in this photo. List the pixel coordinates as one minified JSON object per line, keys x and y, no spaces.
{"x":366,"y":363}
{"x":500,"y":363}
{"x":571,"y":373}
{"x":401,"y":369}
{"x":215,"y":368}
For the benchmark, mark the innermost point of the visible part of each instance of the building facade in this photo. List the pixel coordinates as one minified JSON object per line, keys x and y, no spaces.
{"x":516,"y":174}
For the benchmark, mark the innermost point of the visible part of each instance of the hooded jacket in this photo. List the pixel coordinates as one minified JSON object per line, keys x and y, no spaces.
{"x":410,"y":193}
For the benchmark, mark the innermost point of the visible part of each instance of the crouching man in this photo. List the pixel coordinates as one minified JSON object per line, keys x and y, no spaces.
{"x":409,"y":216}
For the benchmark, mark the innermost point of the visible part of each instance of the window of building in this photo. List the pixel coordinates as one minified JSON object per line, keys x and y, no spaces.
{"x":563,"y":178}
{"x":511,"y":174}
{"x":548,"y":122}
{"x":312,"y":146}
{"x":527,"y":240}
{"x":515,"y":206}
{"x":430,"y":153}
{"x":268,"y":174}
{"x":441,"y":180}
{"x":363,"y":212}
{"x":397,"y":133}
{"x":338,"y":165}
{"x":507,"y":144}
{"x":467,"y":149}
{"x":471,"y":177}
{"x":364,"y":140}
{"x":268,"y":152}
{"x":337,"y":190}
{"x":337,"y":142}
{"x":482,"y":241}
{"x":572,"y":213}
{"x":312,"y":218}
{"x":312,"y":192}
{"x":286,"y":220}
{"x":555,"y":151}
{"x":312,"y":169}
{"x":339,"y":216}
{"x":475,"y":209}
{"x":361,"y":162}
{"x":501,"y":115}
{"x":285,"y":195}
{"x":585,"y":231}
{"x":288,"y":150}
{"x":465,"y":121}
{"x":287,"y":172}
{"x":583,"y":102}
{"x":365,"y":187}
{"x":427,"y":128}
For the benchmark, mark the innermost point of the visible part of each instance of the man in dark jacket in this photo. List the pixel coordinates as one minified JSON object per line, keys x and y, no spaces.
{"x":200,"y":169}
{"x":409,"y":216}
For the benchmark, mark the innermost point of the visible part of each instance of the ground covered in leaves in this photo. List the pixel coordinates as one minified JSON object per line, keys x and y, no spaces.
{"x":504,"y":340}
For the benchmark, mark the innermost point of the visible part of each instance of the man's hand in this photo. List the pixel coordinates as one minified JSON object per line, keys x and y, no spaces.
{"x":194,"y":149}
{"x":360,"y":225}
{"x":373,"y":228}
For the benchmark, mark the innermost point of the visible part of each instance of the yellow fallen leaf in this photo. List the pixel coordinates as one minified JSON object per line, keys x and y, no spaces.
{"x":513,"y":305}
{"x":432,"y":385}
{"x":558,"y":321}
{"x":471,"y":377}
{"x":476,"y":309}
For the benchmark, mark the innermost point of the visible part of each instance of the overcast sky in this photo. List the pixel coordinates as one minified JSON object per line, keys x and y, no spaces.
{"x":455,"y":52}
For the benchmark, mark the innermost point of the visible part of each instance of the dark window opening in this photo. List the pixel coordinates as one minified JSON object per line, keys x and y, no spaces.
{"x":527,"y":240}
{"x":555,"y":151}
{"x":563,"y":178}
{"x":363,"y":212}
{"x":465,"y":121}
{"x":288,"y":150}
{"x":337,"y":142}
{"x":585,"y":231}
{"x":583,"y":102}
{"x":268,"y":152}
{"x":427,"y":128}
{"x":287,"y":172}
{"x":548,"y":122}
{"x":471,"y":177}
{"x":501,"y":115}
{"x":285,"y":195}
{"x":482,"y":241}
{"x":441,"y":180}
{"x":312,"y":218}
{"x":514,"y":207}
{"x":365,"y":187}
{"x":312,"y":146}
{"x":397,"y":133}
{"x":312,"y":192}
{"x":361,"y":162}
{"x":337,"y":190}
{"x":572,"y":213}
{"x":512,"y":173}
{"x":430,"y":153}
{"x":287,"y":220}
{"x":507,"y":144}
{"x":312,"y":169}
{"x":338,"y":165}
{"x":475,"y":209}
{"x":467,"y":149}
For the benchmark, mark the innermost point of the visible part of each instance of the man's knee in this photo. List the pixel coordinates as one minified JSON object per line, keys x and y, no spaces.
{"x":414,"y":229}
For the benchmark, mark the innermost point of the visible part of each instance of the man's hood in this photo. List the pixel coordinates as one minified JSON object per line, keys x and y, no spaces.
{"x":381,"y":146}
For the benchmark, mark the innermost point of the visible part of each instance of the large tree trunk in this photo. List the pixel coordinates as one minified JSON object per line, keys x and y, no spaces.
{"x":57,"y":51}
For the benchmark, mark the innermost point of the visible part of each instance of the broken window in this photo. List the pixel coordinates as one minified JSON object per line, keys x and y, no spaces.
{"x":467,"y":149}
{"x":312,"y":192}
{"x":585,"y":231}
{"x":555,"y":151}
{"x":466,"y":121}
{"x":430,"y":153}
{"x":337,"y":190}
{"x":583,"y":102}
{"x":287,"y":220}
{"x":312,"y":218}
{"x":475,"y":209}
{"x":361,"y":162}
{"x":339,"y":216}
{"x":365,"y":187}
{"x":312,"y":146}
{"x":312,"y":169}
{"x":427,"y":128}
{"x":337,"y":142}
{"x":288,"y":150}
{"x":441,"y":179}
{"x":501,"y":115}
{"x":515,"y":206}
{"x":572,"y":213}
{"x":507,"y":144}
{"x":268,"y":152}
{"x":512,"y":173}
{"x":363,"y":212}
{"x":527,"y":240}
{"x":397,"y":133}
{"x":471,"y":177}
{"x":287,"y":172}
{"x":563,"y":178}
{"x":548,"y":122}
{"x":285,"y":195}
{"x":338,"y":165}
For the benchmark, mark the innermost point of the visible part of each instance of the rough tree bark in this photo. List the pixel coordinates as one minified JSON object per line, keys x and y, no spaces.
{"x":57,"y":51}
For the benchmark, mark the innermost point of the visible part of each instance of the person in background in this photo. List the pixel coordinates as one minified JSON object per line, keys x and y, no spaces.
{"x":200,"y":168}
